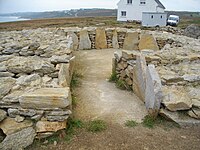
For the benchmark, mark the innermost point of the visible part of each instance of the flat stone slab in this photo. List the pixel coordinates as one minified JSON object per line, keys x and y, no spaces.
{"x":46,"y":98}
{"x":100,"y":40}
{"x":181,"y":119}
{"x":131,"y":41}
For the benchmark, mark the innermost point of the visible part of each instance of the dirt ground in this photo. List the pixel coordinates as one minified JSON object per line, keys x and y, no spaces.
{"x":99,"y":99}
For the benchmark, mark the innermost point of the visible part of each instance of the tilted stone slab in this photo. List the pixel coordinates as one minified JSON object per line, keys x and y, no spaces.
{"x":153,"y":93}
{"x":131,"y":41}
{"x":100,"y":39}
{"x":140,"y":77}
{"x":46,"y":98}
{"x":85,"y":42}
{"x":147,"y":41}
{"x":72,"y":41}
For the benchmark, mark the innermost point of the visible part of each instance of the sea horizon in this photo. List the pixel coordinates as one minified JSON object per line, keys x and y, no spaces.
{"x":11,"y":19}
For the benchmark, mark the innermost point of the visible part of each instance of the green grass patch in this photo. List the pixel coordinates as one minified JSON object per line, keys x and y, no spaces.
{"x":149,"y":122}
{"x":113,"y":77}
{"x":96,"y":126}
{"x":121,"y":84}
{"x":131,"y":123}
{"x":75,"y":81}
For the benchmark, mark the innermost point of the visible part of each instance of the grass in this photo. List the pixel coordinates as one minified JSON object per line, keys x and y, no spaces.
{"x":96,"y":126}
{"x":119,"y":83}
{"x":113,"y":77}
{"x":131,"y":123}
{"x":75,"y":81}
{"x":148,"y":122}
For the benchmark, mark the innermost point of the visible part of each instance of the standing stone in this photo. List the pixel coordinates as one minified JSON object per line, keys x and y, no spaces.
{"x":46,"y":98}
{"x":131,"y":41}
{"x":100,"y":40}
{"x":153,"y":93}
{"x":65,"y":73}
{"x":115,"y":43}
{"x":140,"y":77}
{"x":18,"y":140}
{"x":72,"y":41}
{"x":147,"y":41}
{"x":85,"y":42}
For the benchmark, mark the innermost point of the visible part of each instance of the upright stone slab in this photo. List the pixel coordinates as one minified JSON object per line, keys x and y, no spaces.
{"x":100,"y":40}
{"x":85,"y":42}
{"x":140,"y":77}
{"x":115,"y":43}
{"x":72,"y":41}
{"x":147,"y":41}
{"x":131,"y":41}
{"x":65,"y":73}
{"x":46,"y":99}
{"x":153,"y":93}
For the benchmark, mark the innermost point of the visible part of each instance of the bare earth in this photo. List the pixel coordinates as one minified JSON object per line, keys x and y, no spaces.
{"x":99,"y":99}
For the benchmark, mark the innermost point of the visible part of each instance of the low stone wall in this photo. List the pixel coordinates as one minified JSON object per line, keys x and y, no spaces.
{"x":36,"y":67}
{"x":166,"y":80}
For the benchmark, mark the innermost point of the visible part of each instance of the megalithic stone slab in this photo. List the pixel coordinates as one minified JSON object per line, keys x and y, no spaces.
{"x":46,"y":99}
{"x":115,"y":43}
{"x":66,"y":72}
{"x":131,"y":41}
{"x":100,"y":40}
{"x":72,"y":40}
{"x":85,"y":42}
{"x":147,"y":41}
{"x":153,"y":93}
{"x":140,"y":77}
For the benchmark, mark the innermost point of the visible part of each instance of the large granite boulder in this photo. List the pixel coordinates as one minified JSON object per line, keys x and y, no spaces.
{"x":29,"y":65}
{"x":100,"y":39}
{"x":147,"y":41}
{"x":131,"y":41}
{"x":192,"y":31}
{"x":85,"y":42}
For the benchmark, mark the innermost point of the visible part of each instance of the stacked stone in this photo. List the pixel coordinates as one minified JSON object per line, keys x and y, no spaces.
{"x":92,"y":36}
{"x":121,"y":38}
{"x":36,"y":67}
{"x":109,"y":37}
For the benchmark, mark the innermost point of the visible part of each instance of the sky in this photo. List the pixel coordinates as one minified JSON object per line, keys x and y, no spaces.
{"x":10,"y":6}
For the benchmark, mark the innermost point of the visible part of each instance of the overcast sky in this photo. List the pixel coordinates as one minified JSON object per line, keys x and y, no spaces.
{"x":10,"y":6}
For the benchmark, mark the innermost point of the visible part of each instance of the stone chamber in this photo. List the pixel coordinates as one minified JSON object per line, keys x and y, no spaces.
{"x":36,"y":67}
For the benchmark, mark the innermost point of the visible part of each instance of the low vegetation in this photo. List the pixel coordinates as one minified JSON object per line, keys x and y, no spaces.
{"x":119,"y":83}
{"x":75,"y":81}
{"x":131,"y":123}
{"x":96,"y":126}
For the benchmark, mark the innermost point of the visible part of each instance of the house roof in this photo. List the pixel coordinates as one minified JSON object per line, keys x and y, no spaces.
{"x":160,"y":4}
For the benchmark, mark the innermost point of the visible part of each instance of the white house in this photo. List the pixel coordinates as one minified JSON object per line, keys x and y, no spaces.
{"x":129,"y":10}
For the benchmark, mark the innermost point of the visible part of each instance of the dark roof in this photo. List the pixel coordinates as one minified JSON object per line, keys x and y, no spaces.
{"x":160,"y":4}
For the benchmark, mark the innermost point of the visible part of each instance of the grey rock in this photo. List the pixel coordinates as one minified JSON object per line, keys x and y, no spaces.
{"x":12,"y":112}
{"x":5,"y":57}
{"x":32,"y":80}
{"x":85,"y":42}
{"x":33,"y":46}
{"x":60,"y":59}
{"x":13,"y":142}
{"x":5,"y":85}
{"x":57,"y":118}
{"x":72,"y":41}
{"x":12,"y":97}
{"x":59,"y":113}
{"x":181,"y":119}
{"x":19,"y":118}
{"x":3,"y":115}
{"x":153,"y":93}
{"x":192,"y":31}
{"x":29,"y":65}
{"x":6,"y":74}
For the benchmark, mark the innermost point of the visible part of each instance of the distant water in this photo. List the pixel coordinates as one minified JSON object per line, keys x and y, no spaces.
{"x":11,"y":19}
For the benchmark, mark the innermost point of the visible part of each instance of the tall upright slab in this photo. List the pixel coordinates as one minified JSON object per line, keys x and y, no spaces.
{"x":115,"y":42}
{"x":85,"y":42}
{"x":100,"y":40}
{"x":131,"y":41}
{"x":153,"y":93}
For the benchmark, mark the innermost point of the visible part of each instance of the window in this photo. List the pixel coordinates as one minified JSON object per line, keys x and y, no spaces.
{"x":123,"y":13}
{"x":161,"y":17}
{"x":142,"y":2}
{"x":151,"y":16}
{"x":129,"y":1}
